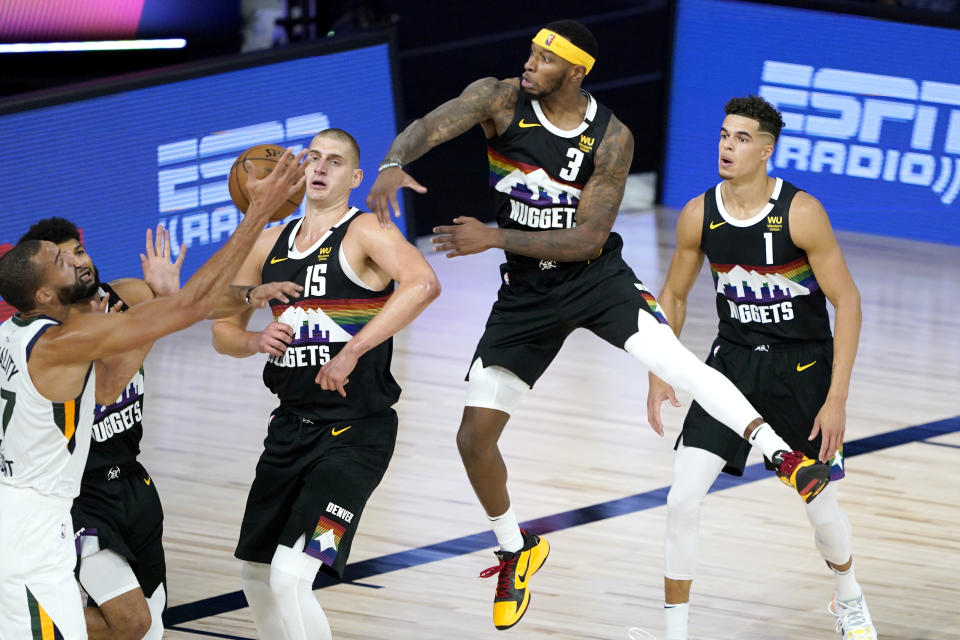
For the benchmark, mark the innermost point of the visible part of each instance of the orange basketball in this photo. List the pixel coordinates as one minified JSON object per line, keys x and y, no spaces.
{"x":264,"y":158}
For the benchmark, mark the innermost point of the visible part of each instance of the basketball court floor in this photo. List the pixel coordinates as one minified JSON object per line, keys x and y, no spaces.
{"x":586,"y":469}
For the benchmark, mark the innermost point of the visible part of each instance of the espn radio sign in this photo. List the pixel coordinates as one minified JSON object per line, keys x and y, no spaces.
{"x":867,"y":126}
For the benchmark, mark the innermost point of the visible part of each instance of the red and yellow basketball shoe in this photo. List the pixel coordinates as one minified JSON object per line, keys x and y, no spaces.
{"x":516,"y":569}
{"x":808,"y":476}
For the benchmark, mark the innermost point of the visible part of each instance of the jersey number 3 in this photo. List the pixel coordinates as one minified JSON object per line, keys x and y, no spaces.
{"x":315,"y":285}
{"x":573,"y":167}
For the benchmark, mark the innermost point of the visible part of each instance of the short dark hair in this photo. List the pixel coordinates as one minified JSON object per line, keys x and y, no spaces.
{"x":54,"y":229}
{"x":756,"y":108}
{"x":343,"y":136}
{"x":577,"y":34}
{"x":20,"y":275}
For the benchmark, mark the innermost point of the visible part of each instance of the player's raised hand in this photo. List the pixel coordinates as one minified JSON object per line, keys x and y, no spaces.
{"x":282,"y":291}
{"x":658,"y":392}
{"x":383,"y":193}
{"x":466,"y":236}
{"x":275,"y":339}
{"x":267,"y":194}
{"x":161,"y":275}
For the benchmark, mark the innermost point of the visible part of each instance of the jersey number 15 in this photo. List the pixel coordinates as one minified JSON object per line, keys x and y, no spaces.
{"x":315,"y":284}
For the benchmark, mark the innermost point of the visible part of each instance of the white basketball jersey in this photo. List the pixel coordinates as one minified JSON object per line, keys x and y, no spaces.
{"x":43,"y":444}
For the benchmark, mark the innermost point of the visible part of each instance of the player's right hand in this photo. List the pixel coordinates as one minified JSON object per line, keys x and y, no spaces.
{"x":275,"y":339}
{"x":383,"y":193}
{"x":282,"y":291}
{"x":658,"y":392}
{"x":267,"y":194}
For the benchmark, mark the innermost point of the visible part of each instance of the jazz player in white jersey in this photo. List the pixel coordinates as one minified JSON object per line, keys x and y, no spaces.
{"x":54,"y":364}
{"x":775,"y":263}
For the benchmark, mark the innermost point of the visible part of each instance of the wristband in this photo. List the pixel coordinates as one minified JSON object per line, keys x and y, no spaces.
{"x":389,"y":163}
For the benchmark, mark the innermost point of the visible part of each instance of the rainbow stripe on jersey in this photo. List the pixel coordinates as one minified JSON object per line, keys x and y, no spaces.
{"x":529,"y":183}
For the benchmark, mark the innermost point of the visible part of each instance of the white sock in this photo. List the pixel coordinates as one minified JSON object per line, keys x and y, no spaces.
{"x":847,"y":587}
{"x":676,"y":621}
{"x":507,"y":530}
{"x":767,"y":439}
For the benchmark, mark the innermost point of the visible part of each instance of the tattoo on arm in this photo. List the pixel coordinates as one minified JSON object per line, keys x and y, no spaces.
{"x":596,"y":211}
{"x":482,"y":100}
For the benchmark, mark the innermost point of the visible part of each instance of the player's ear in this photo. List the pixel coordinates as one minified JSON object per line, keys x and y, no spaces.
{"x":357,"y":178}
{"x":43,"y":295}
{"x":766,"y":152}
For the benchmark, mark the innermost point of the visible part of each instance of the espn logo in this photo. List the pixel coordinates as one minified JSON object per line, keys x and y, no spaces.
{"x":866,"y":125}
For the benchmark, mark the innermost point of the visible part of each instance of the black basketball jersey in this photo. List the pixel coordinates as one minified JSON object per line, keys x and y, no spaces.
{"x":537,"y":172}
{"x":118,"y":427}
{"x":335,"y":305}
{"x":766,"y":290}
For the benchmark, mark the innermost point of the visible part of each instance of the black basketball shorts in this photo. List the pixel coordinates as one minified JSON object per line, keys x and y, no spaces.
{"x":121,"y":507}
{"x":313,"y":480}
{"x":535,"y":312}
{"x":787,"y":384}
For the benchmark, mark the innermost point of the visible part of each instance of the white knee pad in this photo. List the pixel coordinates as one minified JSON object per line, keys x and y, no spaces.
{"x":494,"y":388}
{"x":694,"y":471}
{"x":255,"y":577}
{"x":291,"y":582}
{"x":831,"y":526}
{"x":104,"y":574}
{"x":156,"y":603}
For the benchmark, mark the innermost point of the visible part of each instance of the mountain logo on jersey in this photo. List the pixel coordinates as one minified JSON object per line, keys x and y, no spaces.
{"x":323,"y":320}
{"x":312,"y":325}
{"x":530,"y":184}
{"x":764,"y":284}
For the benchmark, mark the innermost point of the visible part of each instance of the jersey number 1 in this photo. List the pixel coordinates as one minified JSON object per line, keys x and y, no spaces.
{"x":768,"y":242}
{"x":573,"y":168}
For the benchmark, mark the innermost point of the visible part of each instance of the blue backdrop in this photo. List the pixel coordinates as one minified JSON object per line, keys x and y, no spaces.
{"x":872,"y":111}
{"x":120,"y":163}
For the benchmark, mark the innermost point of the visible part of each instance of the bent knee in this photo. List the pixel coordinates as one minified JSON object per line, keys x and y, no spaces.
{"x":683,"y":506}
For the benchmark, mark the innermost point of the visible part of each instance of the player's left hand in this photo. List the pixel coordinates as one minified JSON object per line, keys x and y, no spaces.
{"x":333,"y":375}
{"x":161,"y":275}
{"x":467,"y":235}
{"x":282,"y":291}
{"x":831,"y":423}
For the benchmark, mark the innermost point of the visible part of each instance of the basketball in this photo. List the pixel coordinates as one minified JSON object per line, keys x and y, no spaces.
{"x":264,"y":158}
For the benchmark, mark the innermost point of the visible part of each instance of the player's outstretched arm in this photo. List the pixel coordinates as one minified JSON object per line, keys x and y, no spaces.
{"x":482,"y":101}
{"x":230,"y":335}
{"x":417,"y":286}
{"x":89,"y":336}
{"x":811,"y":231}
{"x":684,"y":267}
{"x":598,"y":207}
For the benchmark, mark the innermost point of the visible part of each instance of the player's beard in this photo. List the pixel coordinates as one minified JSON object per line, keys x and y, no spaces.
{"x":72,"y":293}
{"x":87,"y":290}
{"x":547,"y":91}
